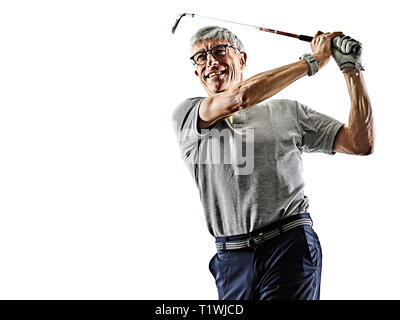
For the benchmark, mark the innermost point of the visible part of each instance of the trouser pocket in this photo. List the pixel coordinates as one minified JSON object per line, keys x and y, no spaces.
{"x":220,"y":271}
{"x":313,"y":246}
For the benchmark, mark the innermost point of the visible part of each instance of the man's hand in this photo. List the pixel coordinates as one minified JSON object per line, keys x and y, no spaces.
{"x":343,"y":52}
{"x":321,"y":46}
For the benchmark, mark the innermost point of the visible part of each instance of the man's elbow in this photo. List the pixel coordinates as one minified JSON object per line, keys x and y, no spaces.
{"x":362,"y":142}
{"x":366,"y":149}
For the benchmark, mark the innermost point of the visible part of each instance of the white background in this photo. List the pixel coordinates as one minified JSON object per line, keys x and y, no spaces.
{"x":95,"y":202}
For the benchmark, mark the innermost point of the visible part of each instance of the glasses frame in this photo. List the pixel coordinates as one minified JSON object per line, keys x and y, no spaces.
{"x":211,"y":51}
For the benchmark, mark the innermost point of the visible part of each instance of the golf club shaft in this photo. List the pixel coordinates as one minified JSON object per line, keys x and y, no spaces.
{"x":292,"y":35}
{"x":356,"y":49}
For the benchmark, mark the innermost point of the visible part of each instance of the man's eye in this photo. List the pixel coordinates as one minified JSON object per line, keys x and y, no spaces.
{"x":219,"y":52}
{"x":201,"y":57}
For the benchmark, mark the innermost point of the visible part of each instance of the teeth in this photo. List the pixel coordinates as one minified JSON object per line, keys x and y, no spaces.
{"x":215,"y":74}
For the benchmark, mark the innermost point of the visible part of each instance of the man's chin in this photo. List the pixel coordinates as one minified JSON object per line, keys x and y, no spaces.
{"x":216,"y":89}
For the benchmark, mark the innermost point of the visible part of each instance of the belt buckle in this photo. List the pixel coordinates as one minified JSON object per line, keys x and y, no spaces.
{"x":250,"y":243}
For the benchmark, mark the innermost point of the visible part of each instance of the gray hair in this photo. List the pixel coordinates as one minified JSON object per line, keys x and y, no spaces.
{"x":216,"y":33}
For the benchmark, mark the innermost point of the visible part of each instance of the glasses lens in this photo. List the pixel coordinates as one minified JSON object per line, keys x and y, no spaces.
{"x":200,"y":58}
{"x":219,"y":51}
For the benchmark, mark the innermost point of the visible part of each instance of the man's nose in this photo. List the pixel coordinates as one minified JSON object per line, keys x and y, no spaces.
{"x":211,"y":60}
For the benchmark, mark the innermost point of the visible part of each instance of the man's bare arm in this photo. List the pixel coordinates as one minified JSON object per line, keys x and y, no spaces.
{"x":263,"y":85}
{"x":249,"y":92}
{"x":359,"y":135}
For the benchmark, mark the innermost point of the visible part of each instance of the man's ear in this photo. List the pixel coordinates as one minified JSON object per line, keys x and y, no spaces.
{"x":243,"y":59}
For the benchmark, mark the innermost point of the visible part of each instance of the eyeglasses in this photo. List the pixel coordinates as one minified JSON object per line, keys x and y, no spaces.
{"x":218,"y":52}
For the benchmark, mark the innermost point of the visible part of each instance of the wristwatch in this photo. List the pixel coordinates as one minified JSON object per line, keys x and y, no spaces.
{"x":312,"y":63}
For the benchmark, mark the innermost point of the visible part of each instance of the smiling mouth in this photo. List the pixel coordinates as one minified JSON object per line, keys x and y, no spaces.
{"x":213,"y":74}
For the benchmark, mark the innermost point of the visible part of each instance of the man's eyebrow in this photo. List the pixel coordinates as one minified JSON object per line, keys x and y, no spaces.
{"x":218,"y":44}
{"x":199,"y":51}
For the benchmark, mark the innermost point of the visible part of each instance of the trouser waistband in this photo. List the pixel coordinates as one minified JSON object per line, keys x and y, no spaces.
{"x":258,"y":236}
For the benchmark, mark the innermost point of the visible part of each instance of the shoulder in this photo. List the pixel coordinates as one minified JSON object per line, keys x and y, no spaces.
{"x":184,"y":115}
{"x":186,"y":105}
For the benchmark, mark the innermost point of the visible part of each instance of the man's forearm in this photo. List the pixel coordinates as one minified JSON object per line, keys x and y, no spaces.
{"x":361,"y":125}
{"x":249,"y":92}
{"x":265,"y":85}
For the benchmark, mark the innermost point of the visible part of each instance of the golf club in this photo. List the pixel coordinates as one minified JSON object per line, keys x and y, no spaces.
{"x":356,"y":49}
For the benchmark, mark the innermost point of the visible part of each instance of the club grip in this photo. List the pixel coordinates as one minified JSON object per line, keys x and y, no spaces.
{"x":305,"y":38}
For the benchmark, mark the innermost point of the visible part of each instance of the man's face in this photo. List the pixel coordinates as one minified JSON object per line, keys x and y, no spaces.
{"x":231,"y":67}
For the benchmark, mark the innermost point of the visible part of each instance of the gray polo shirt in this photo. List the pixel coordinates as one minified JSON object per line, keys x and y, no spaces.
{"x":249,"y":171}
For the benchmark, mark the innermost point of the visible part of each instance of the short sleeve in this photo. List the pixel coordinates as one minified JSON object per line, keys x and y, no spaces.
{"x":318,"y":130}
{"x":185,"y":119}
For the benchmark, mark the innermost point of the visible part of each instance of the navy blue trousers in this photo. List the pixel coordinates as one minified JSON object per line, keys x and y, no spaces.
{"x":286,"y":267}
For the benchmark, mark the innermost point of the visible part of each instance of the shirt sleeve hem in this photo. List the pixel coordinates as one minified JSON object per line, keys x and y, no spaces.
{"x":332,"y":137}
{"x":200,"y":133}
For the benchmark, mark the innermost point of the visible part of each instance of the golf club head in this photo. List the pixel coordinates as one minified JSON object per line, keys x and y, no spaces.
{"x":179,"y":19}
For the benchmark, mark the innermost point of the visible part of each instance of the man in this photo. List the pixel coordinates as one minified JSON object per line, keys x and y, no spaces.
{"x":266,"y":247}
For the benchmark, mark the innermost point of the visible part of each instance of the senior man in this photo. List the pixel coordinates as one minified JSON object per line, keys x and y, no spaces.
{"x":257,"y":212}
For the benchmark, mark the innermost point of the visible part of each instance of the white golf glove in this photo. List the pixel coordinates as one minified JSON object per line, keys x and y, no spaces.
{"x":347,"y":52}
